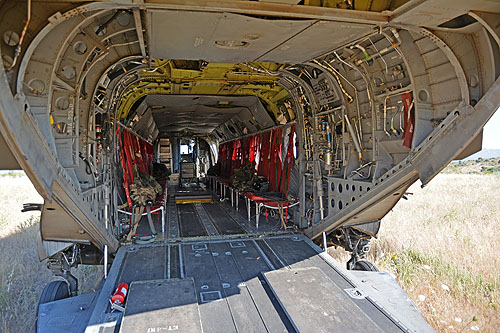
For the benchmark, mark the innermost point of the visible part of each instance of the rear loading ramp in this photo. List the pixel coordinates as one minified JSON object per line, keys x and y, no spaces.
{"x":162,"y":305}
{"x":276,"y":284}
{"x":314,"y":303}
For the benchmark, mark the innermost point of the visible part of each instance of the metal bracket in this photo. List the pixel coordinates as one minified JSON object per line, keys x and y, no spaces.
{"x":355,"y":293}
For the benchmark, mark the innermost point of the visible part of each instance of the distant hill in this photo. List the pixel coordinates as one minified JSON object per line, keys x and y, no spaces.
{"x":485,"y":153}
{"x":479,"y":166}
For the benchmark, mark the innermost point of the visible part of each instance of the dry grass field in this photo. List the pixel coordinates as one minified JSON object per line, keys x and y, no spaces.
{"x":22,"y":276}
{"x":442,"y":246}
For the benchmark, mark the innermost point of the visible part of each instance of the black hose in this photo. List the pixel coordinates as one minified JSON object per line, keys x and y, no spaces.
{"x":105,"y":24}
{"x":88,"y":167}
{"x":144,"y":240}
{"x":150,"y":220}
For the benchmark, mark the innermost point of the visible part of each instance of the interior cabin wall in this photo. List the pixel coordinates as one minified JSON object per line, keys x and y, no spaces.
{"x":350,"y":94}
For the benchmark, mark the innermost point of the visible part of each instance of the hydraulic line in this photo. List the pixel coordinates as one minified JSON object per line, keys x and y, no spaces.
{"x":354,"y":138}
{"x":359,"y":136}
{"x":396,"y":44}
{"x":381,"y":57}
{"x":393,"y":129}
{"x":319,"y":184}
{"x":359,"y":120}
{"x":385,"y":116}
{"x":370,"y":99}
{"x":368,"y":57}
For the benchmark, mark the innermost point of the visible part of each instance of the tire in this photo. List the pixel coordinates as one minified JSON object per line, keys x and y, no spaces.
{"x":53,"y":291}
{"x":363,"y":265}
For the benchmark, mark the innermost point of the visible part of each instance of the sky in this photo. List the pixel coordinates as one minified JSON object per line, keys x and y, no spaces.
{"x":491,"y":133}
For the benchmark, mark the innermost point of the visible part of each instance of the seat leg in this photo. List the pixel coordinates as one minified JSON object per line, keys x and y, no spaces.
{"x":248,"y":208}
{"x":237,"y":197}
{"x":257,"y":214}
{"x":232,"y":197}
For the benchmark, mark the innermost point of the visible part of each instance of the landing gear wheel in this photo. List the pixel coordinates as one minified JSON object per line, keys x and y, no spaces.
{"x":363,"y":265}
{"x":53,"y":291}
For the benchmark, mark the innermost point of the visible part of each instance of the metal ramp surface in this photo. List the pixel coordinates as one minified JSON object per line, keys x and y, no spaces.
{"x":161,"y":305}
{"x":313,"y":303}
{"x":280,"y":283}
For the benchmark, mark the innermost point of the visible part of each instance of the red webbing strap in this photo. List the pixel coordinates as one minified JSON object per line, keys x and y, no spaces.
{"x":287,"y":165}
{"x":220,"y":155}
{"x":409,"y":120}
{"x":150,"y":152}
{"x":140,"y":155}
{"x":130,"y":146}
{"x":127,"y":178}
{"x":265,"y":147}
{"x":145,"y":156}
{"x":134,"y":153}
{"x":236,"y":157}
{"x":275,"y":159}
{"x":245,"y":151}
{"x":253,"y":153}
{"x":226,"y":156}
{"x":136,"y":148}
{"x":224,"y":160}
{"x":127,"y":147}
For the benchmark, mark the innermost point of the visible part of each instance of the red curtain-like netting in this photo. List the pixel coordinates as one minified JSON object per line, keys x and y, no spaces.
{"x":269,"y":153}
{"x":135,"y":154}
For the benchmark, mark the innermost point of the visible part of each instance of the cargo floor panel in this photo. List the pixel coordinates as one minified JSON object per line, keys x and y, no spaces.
{"x":208,"y":219}
{"x":189,"y":222}
{"x":143,"y":263}
{"x":214,"y":310}
{"x":266,"y":225}
{"x":276,"y":283}
{"x":223,"y":222}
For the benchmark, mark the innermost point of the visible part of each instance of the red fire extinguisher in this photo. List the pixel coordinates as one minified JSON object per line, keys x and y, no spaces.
{"x":120,"y":294}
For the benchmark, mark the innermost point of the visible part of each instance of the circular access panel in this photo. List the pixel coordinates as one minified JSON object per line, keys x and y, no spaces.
{"x":62,"y":103}
{"x":123,"y":19}
{"x":80,"y":48}
{"x":37,"y":86}
{"x":69,"y":72}
{"x":11,"y":38}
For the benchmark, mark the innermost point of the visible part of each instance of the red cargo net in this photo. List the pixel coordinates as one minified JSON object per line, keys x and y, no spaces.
{"x":270,"y":153}
{"x":135,"y":154}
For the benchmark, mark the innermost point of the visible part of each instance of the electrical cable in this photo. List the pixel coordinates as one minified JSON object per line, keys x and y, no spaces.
{"x":18,"y":50}
{"x":335,"y":74}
